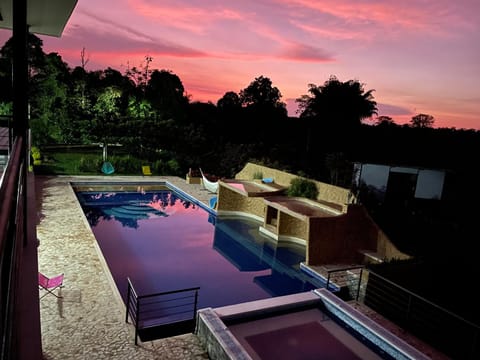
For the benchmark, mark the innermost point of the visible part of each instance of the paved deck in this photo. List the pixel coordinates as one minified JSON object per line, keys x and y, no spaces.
{"x":89,"y":322}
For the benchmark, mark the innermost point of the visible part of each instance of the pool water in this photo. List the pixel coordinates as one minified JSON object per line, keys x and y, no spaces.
{"x":303,"y":334}
{"x":164,"y":242}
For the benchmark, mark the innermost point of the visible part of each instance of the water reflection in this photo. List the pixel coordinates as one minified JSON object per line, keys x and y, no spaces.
{"x":128,"y":207}
{"x":239,"y":241}
{"x":163,"y":242}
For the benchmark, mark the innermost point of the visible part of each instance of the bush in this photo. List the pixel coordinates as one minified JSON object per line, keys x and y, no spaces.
{"x":126,"y":164}
{"x":173,"y":167}
{"x":88,"y":165}
{"x":303,"y":188}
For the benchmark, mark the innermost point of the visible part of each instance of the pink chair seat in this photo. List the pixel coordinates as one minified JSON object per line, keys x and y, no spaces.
{"x":50,"y":284}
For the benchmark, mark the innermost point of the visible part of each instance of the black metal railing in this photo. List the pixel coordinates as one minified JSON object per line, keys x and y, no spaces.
{"x":12,"y":236}
{"x":438,"y":327}
{"x":342,"y":276}
{"x":162,"y":314}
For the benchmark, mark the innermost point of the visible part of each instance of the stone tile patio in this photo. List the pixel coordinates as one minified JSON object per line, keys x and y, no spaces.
{"x":89,"y":322}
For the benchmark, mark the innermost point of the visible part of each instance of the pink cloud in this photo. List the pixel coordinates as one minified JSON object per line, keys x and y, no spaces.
{"x":114,"y":35}
{"x":302,"y":52}
{"x":185,"y":16}
{"x":335,"y":33}
{"x":430,"y":16}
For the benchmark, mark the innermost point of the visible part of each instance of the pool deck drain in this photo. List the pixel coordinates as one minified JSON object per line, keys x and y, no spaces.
{"x":89,"y":322}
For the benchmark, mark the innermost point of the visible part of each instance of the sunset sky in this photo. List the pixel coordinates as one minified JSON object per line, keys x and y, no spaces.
{"x":420,"y":56}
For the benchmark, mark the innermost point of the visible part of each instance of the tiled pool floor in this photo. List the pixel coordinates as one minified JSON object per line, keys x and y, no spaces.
{"x":89,"y":322}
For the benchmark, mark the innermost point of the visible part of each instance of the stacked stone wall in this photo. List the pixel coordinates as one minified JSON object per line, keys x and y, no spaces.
{"x":229,"y":200}
{"x":291,"y":226}
{"x":326,"y":192}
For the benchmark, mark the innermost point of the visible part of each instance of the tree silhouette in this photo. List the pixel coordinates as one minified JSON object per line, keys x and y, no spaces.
{"x":345,"y":104}
{"x":263,"y":110}
{"x":332,"y":114}
{"x":36,"y":56}
{"x":384,"y":121}
{"x":230,"y":101}
{"x":165,"y":92}
{"x":422,"y":121}
{"x":261,"y":93}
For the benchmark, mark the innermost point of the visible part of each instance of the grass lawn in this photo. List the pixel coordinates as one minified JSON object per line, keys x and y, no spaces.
{"x":69,"y":163}
{"x":87,"y":160}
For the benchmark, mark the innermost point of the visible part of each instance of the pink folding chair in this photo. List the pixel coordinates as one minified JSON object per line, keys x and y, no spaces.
{"x":50,"y":284}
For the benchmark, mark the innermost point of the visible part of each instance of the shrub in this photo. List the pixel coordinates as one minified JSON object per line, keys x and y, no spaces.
{"x":126,"y":164}
{"x":173,"y":167}
{"x":88,"y":165}
{"x":303,"y":188}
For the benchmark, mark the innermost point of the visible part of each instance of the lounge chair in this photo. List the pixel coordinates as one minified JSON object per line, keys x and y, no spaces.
{"x":50,"y":284}
{"x":146,"y":170}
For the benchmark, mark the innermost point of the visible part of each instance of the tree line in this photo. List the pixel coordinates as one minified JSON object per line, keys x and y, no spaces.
{"x":148,"y":112}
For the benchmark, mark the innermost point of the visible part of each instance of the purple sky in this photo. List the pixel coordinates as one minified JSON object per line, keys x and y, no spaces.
{"x":420,"y":56}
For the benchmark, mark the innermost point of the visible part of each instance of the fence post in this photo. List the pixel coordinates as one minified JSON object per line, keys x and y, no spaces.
{"x":359,"y":284}
{"x":128,"y":300}
{"x":137,"y":314}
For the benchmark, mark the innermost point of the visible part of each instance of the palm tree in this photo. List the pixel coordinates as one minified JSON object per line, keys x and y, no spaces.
{"x":333,"y":113}
{"x":344,"y":104}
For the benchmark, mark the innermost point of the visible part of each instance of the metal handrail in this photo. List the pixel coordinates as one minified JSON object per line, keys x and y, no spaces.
{"x":341,"y":269}
{"x":427,"y":320}
{"x":9,"y":188}
{"x":418,"y":297}
{"x":134,"y":303}
{"x":11,"y":221}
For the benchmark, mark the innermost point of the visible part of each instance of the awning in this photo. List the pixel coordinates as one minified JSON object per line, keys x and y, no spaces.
{"x":45,"y":17}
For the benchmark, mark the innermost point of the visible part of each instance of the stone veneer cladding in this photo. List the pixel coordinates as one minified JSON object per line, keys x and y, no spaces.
{"x":229,"y":200}
{"x":341,"y":238}
{"x":326,"y":192}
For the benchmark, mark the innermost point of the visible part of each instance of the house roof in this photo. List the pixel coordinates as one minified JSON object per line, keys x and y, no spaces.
{"x":45,"y":17}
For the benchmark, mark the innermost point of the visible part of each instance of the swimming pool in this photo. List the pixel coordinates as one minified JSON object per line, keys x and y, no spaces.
{"x":163,"y":240}
{"x":309,"y":325}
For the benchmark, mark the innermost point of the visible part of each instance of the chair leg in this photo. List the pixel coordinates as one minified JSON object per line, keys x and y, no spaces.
{"x":48,"y":291}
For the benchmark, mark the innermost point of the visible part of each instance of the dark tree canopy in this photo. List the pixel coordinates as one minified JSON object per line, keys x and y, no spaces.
{"x":229,"y":101}
{"x":165,"y":92}
{"x":384,"y":121}
{"x":36,"y":56}
{"x":422,"y":121}
{"x":341,"y":103}
{"x":261,"y":93}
